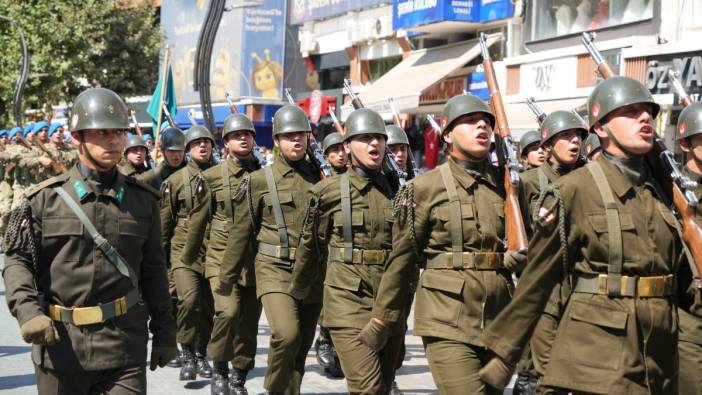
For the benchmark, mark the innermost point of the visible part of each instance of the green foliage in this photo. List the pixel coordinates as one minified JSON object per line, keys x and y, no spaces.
{"x":72,"y":43}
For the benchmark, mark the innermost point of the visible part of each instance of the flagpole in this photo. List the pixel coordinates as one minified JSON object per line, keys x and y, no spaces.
{"x":160,"y":106}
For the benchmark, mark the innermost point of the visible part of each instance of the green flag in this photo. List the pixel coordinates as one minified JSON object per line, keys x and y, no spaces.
{"x":169,"y":99}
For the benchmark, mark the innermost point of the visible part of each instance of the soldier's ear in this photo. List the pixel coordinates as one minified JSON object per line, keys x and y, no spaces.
{"x":684,"y":145}
{"x":448,"y":137}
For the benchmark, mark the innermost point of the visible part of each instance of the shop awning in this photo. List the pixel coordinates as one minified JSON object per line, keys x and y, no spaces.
{"x":406,"y":81}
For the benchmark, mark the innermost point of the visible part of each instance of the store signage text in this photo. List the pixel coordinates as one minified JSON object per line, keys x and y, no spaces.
{"x":443,"y":90}
{"x":688,"y":67}
{"x":553,"y":77}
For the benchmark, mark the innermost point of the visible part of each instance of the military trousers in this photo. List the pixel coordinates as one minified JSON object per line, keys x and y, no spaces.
{"x":293,"y":326}
{"x":122,"y":381}
{"x":195,"y":308}
{"x":235,"y":326}
{"x":689,"y":368}
{"x":366,"y":371}
{"x":455,"y":365}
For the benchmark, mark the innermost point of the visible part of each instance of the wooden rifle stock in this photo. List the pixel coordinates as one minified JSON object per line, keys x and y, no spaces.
{"x":514,"y":223}
{"x":337,"y":125}
{"x":665,"y":168}
{"x":137,"y":128}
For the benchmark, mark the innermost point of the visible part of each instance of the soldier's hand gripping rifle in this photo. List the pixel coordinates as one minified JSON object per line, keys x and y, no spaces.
{"x":256,"y":149}
{"x":314,"y":151}
{"x":678,"y":187}
{"x":57,"y":166}
{"x":412,"y":166}
{"x":514,"y":223}
{"x":390,"y":164}
{"x":337,"y":125}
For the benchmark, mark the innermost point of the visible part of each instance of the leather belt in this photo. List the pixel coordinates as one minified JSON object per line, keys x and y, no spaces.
{"x":218,"y":224}
{"x":80,"y":316}
{"x":642,"y":287}
{"x":360,"y":256}
{"x":275,"y":251}
{"x":469,"y":260}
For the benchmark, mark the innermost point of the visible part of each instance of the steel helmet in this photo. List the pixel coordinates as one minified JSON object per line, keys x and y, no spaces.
{"x":198,"y":132}
{"x":99,"y":108}
{"x":290,"y":119}
{"x":237,"y":122}
{"x":528,"y":139}
{"x":690,"y":121}
{"x":172,"y":139}
{"x":332,"y":139}
{"x":135,"y":141}
{"x":364,"y":121}
{"x":616,"y":92}
{"x":462,"y":105}
{"x":396,"y":135}
{"x":591,"y":143}
{"x":560,"y":121}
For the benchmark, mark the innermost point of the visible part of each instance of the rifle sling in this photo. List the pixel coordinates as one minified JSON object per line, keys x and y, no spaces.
{"x":456,"y":224}
{"x":278,"y":213}
{"x":346,"y":217}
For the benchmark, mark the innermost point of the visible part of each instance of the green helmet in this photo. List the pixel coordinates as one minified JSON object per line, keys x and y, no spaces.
{"x":237,"y":122}
{"x":290,"y":119}
{"x":364,"y":121}
{"x":591,"y":143}
{"x":560,"y":121}
{"x":462,"y":105}
{"x":616,"y":92}
{"x":332,"y":139}
{"x":198,"y":132}
{"x":172,"y":139}
{"x":396,"y":135}
{"x":99,"y":108}
{"x":528,"y":139}
{"x":135,"y":141}
{"x":690,"y":121}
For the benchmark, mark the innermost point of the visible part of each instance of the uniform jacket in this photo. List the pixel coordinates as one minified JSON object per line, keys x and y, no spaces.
{"x":156,"y":176}
{"x":449,"y":304}
{"x":71,"y":270}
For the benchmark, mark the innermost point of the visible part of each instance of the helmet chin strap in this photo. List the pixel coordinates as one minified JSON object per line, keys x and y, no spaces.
{"x":616,"y":142}
{"x":467,"y":154}
{"x":98,"y":167}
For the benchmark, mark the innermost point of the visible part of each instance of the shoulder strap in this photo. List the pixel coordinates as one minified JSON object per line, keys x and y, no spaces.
{"x":226,"y":190}
{"x":543,"y":180}
{"x":346,"y":217}
{"x":455,"y":221}
{"x":107,"y":249}
{"x":614,"y":228}
{"x":278,"y":213}
{"x":188,"y":190}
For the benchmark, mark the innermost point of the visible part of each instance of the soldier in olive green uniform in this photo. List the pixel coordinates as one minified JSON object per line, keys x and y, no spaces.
{"x":334,"y":152}
{"x":271,"y":216}
{"x":173,"y":151}
{"x":690,"y":335}
{"x":592,"y":148}
{"x":530,"y":150}
{"x":236,"y":313}
{"x":135,"y":152}
{"x":608,"y":227}
{"x":561,"y":136}
{"x":85,"y":306}
{"x":195,"y":305}
{"x":452,"y":219}
{"x":351,"y":214}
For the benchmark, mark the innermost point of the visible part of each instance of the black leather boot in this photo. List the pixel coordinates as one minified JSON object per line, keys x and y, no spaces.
{"x":178,"y":360}
{"x":204,"y":369}
{"x":188,"y":371}
{"x":395,"y":390}
{"x":324,"y":348}
{"x":237,"y":382}
{"x":220,"y":379}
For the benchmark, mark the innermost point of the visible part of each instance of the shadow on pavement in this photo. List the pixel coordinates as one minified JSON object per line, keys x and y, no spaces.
{"x":197,"y":384}
{"x":6,"y":351}
{"x":21,"y":380}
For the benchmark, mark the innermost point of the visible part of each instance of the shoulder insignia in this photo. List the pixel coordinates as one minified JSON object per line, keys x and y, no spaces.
{"x":146,"y":187}
{"x":60,"y":179}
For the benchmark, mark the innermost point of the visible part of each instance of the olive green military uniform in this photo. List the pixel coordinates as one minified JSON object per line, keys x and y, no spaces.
{"x":271,"y":218}
{"x":236,"y":315}
{"x":351,"y":214}
{"x":455,"y":299}
{"x":195,"y":305}
{"x":155,"y":177}
{"x":605,"y":344}
{"x":93,"y":356}
{"x":129,"y":169}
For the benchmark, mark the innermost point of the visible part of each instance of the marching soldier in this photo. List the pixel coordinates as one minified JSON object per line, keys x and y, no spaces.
{"x":173,"y":151}
{"x":592,"y":147}
{"x":64,"y":154}
{"x":530,"y":150}
{"x":25,"y":160}
{"x":690,"y":332}
{"x":6,"y":173}
{"x":352,"y":214}
{"x":455,"y":225}
{"x":608,"y":227}
{"x":561,"y":136}
{"x":84,"y":270}
{"x":135,"y":154}
{"x":195,"y":305}
{"x":334,"y":152}
{"x":272,"y":215}
{"x":237,"y":312}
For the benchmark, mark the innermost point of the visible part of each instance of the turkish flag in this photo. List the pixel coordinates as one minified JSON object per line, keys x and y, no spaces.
{"x":431,"y":147}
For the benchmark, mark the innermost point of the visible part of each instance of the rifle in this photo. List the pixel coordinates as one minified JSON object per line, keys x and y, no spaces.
{"x":602,"y":66}
{"x":685,"y":99}
{"x":540,"y":115}
{"x":137,"y":128}
{"x":433,"y":124}
{"x":335,"y":120}
{"x":665,"y":169}
{"x":56,"y":165}
{"x":191,"y":117}
{"x":514,"y":223}
{"x":314,"y":151}
{"x":411,"y":164}
{"x":390,"y":164}
{"x":169,"y":118}
{"x":256,"y":151}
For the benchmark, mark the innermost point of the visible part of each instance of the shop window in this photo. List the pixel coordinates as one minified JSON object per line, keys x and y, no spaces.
{"x":332,"y":78}
{"x":378,"y":67}
{"x":552,"y":18}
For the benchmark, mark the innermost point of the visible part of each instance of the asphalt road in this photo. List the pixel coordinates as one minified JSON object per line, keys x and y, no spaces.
{"x":17,"y":373}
